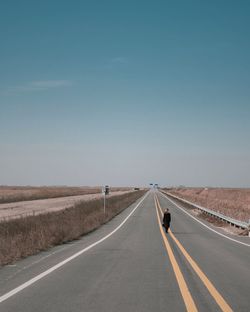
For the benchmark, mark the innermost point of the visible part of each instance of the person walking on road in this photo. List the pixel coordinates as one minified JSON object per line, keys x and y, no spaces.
{"x":166,"y":219}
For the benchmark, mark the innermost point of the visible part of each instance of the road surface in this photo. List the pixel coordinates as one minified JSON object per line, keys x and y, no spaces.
{"x":130,"y":264}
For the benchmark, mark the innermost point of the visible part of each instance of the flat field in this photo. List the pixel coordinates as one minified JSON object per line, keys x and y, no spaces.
{"x":232,"y":202}
{"x":10,"y":194}
{"x":39,"y":200}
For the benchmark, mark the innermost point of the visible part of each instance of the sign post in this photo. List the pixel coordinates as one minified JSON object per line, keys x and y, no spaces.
{"x":105,"y":191}
{"x":104,"y":204}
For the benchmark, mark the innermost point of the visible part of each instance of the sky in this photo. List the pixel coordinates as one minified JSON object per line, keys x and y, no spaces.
{"x":125,"y":93}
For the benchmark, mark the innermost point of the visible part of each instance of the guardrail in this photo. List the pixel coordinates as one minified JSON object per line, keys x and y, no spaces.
{"x":231,"y":221}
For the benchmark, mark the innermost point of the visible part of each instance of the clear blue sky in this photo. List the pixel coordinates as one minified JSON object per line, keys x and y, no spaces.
{"x":125,"y":92}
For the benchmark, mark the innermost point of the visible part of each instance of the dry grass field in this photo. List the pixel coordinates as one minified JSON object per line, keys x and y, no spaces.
{"x":40,"y":206}
{"x":22,"y":237}
{"x":22,"y":193}
{"x":231,"y":202}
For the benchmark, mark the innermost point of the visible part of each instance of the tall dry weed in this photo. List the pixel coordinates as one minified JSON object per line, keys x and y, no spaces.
{"x":234,"y":203}
{"x":14,"y":194}
{"x":26,"y":236}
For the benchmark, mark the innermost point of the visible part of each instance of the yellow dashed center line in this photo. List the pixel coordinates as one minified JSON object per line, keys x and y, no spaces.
{"x":213,"y":291}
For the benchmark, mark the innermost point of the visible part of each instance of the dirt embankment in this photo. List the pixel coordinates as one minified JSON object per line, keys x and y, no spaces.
{"x":231,"y":202}
{"x":10,"y":194}
{"x":34,"y":207}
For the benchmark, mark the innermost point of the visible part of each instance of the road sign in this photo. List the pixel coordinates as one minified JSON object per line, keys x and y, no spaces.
{"x":105,"y":192}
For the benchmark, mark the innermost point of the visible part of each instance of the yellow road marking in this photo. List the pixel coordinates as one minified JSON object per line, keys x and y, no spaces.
{"x":188,"y":300}
{"x":213,"y":291}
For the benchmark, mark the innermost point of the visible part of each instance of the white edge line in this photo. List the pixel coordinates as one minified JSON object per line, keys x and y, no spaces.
{"x":234,"y":240}
{"x":60,"y":264}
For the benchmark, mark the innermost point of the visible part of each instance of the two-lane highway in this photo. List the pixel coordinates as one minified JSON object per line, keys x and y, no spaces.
{"x":223,"y":262}
{"x":130,"y":264}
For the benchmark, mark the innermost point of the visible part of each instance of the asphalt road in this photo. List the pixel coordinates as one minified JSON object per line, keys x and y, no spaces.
{"x":130,"y":264}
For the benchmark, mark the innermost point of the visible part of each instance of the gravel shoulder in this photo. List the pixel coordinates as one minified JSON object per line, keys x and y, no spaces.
{"x":25,"y":208}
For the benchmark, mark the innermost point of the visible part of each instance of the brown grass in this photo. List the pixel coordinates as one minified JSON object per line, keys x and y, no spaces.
{"x":23,"y":237}
{"x":10,"y":194}
{"x":234,"y":203}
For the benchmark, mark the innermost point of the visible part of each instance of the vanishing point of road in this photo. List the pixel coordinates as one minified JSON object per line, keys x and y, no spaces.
{"x":130,"y":264}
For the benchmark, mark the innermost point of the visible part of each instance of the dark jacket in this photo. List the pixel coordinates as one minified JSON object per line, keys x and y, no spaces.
{"x":166,"y":218}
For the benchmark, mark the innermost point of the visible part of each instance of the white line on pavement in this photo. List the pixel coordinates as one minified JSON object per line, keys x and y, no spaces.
{"x":60,"y":264}
{"x":234,"y":240}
